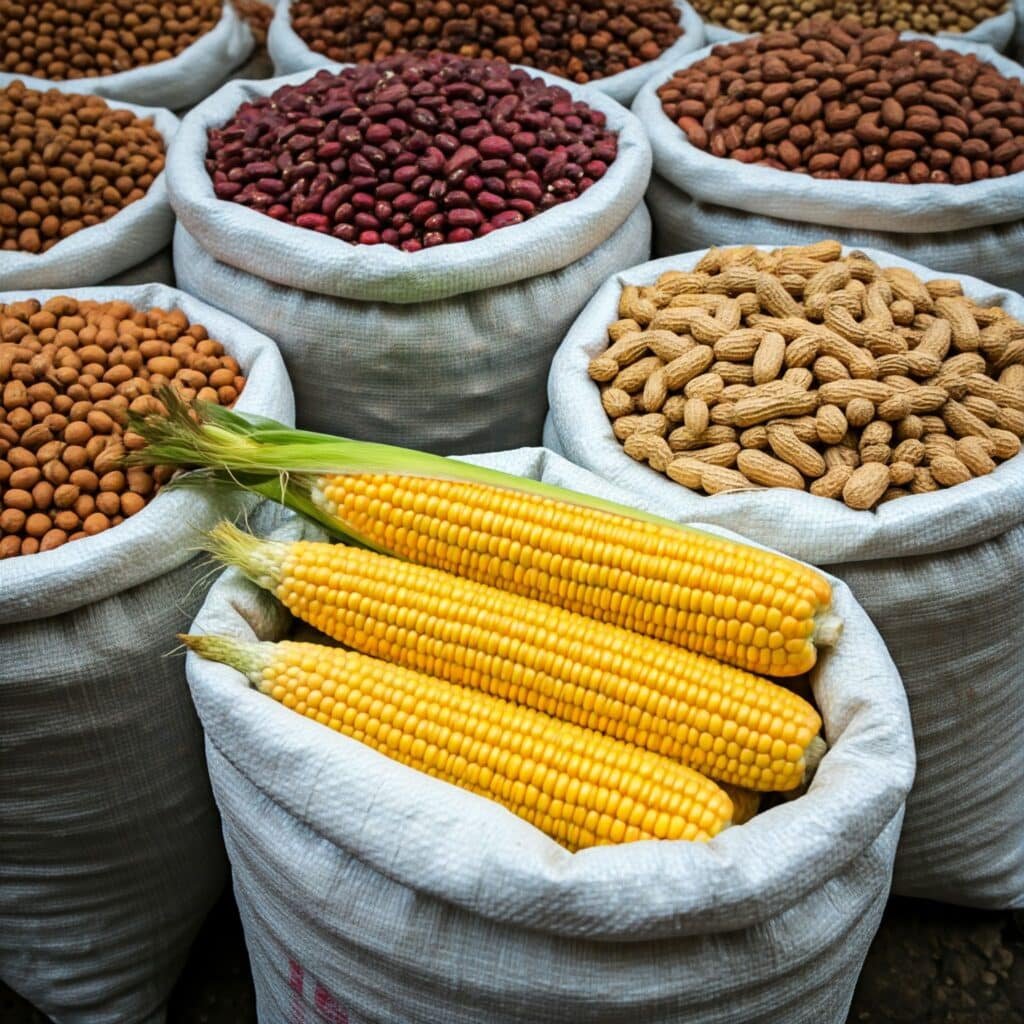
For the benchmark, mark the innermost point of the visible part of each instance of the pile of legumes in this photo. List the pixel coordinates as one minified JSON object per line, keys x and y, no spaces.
{"x":89,"y":38}
{"x":69,"y":372}
{"x":583,"y":40}
{"x":903,"y":15}
{"x":800,"y":368}
{"x":412,"y":151}
{"x":67,"y":162}
{"x":840,"y":101}
{"x":257,"y":15}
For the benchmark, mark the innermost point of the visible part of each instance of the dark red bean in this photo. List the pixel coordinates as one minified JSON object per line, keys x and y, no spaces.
{"x":372,"y":153}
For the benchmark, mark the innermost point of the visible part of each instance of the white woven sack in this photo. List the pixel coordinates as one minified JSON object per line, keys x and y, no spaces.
{"x":372,"y":893}
{"x":996,"y":32}
{"x":110,"y":853}
{"x":104,"y":252}
{"x":941,"y":575}
{"x":177,"y":83}
{"x":291,"y":53}
{"x":445,"y":349}
{"x":697,"y":200}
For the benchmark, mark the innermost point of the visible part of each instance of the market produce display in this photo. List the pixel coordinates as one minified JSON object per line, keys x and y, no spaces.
{"x":691,"y":708}
{"x":520,"y":632}
{"x":841,"y":101}
{"x":739,"y":604}
{"x":800,"y":368}
{"x":906,"y":15}
{"x":88,"y":38}
{"x":68,"y":162}
{"x":412,"y":151}
{"x":578,"y":786}
{"x":583,"y":40}
{"x":70,"y":371}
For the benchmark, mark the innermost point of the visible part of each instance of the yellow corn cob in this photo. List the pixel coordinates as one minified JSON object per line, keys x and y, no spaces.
{"x":722,"y":721}
{"x":581,"y":788}
{"x":733,"y":602}
{"x":736,"y":603}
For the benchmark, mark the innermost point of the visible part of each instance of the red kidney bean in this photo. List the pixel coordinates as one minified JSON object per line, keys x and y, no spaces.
{"x":415,"y":151}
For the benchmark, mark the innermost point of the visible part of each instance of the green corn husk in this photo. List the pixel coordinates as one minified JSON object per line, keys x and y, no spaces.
{"x":239,"y":450}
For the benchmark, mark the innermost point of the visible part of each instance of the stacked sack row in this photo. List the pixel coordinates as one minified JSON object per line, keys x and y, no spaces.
{"x":444,"y":251}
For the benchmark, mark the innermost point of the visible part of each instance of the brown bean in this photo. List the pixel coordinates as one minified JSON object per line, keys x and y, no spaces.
{"x":85,"y":479}
{"x":95,"y":523}
{"x":12,"y":520}
{"x":24,"y":479}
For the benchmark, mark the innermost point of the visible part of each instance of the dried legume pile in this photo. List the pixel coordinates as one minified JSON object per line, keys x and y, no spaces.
{"x":840,"y":101}
{"x":412,"y":151}
{"x":89,"y":38}
{"x":584,"y":40}
{"x":903,"y":15}
{"x":69,"y":372}
{"x":68,"y":162}
{"x":804,"y":369}
{"x":258,"y":16}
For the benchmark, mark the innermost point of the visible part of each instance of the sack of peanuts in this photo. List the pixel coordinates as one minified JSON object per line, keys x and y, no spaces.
{"x":372,"y":892}
{"x":86,"y":202}
{"x":615,"y":52}
{"x":187,"y":49}
{"x":918,"y":156}
{"x":864,"y":414}
{"x":989,"y":22}
{"x":419,"y":270}
{"x":111,"y":852}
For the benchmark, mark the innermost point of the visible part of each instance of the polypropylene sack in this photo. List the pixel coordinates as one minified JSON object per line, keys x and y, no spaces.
{"x":175,"y":84}
{"x":697,"y":200}
{"x":996,"y":32}
{"x":445,"y":349}
{"x":372,"y":893}
{"x":291,"y":53}
{"x":110,"y":252}
{"x":941,"y":575}
{"x":110,"y":853}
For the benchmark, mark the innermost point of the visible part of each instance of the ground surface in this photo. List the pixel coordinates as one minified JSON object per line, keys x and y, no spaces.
{"x":930,"y":964}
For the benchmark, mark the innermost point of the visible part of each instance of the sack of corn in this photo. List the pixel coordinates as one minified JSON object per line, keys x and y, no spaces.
{"x":291,"y":53}
{"x":445,"y":349}
{"x":507,"y":655}
{"x":936,"y":558}
{"x":111,"y":852}
{"x":697,"y":199}
{"x":206,"y":41}
{"x":133,"y":246}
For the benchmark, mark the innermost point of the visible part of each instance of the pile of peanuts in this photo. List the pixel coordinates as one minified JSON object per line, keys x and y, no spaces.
{"x":839,"y":101}
{"x":583,"y":40}
{"x":69,"y":372}
{"x":927,"y":16}
{"x":68,"y":162}
{"x":412,"y":151}
{"x":89,"y":38}
{"x":801,"y":368}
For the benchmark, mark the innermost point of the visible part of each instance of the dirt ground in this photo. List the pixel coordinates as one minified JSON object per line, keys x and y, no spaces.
{"x":929,"y":964}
